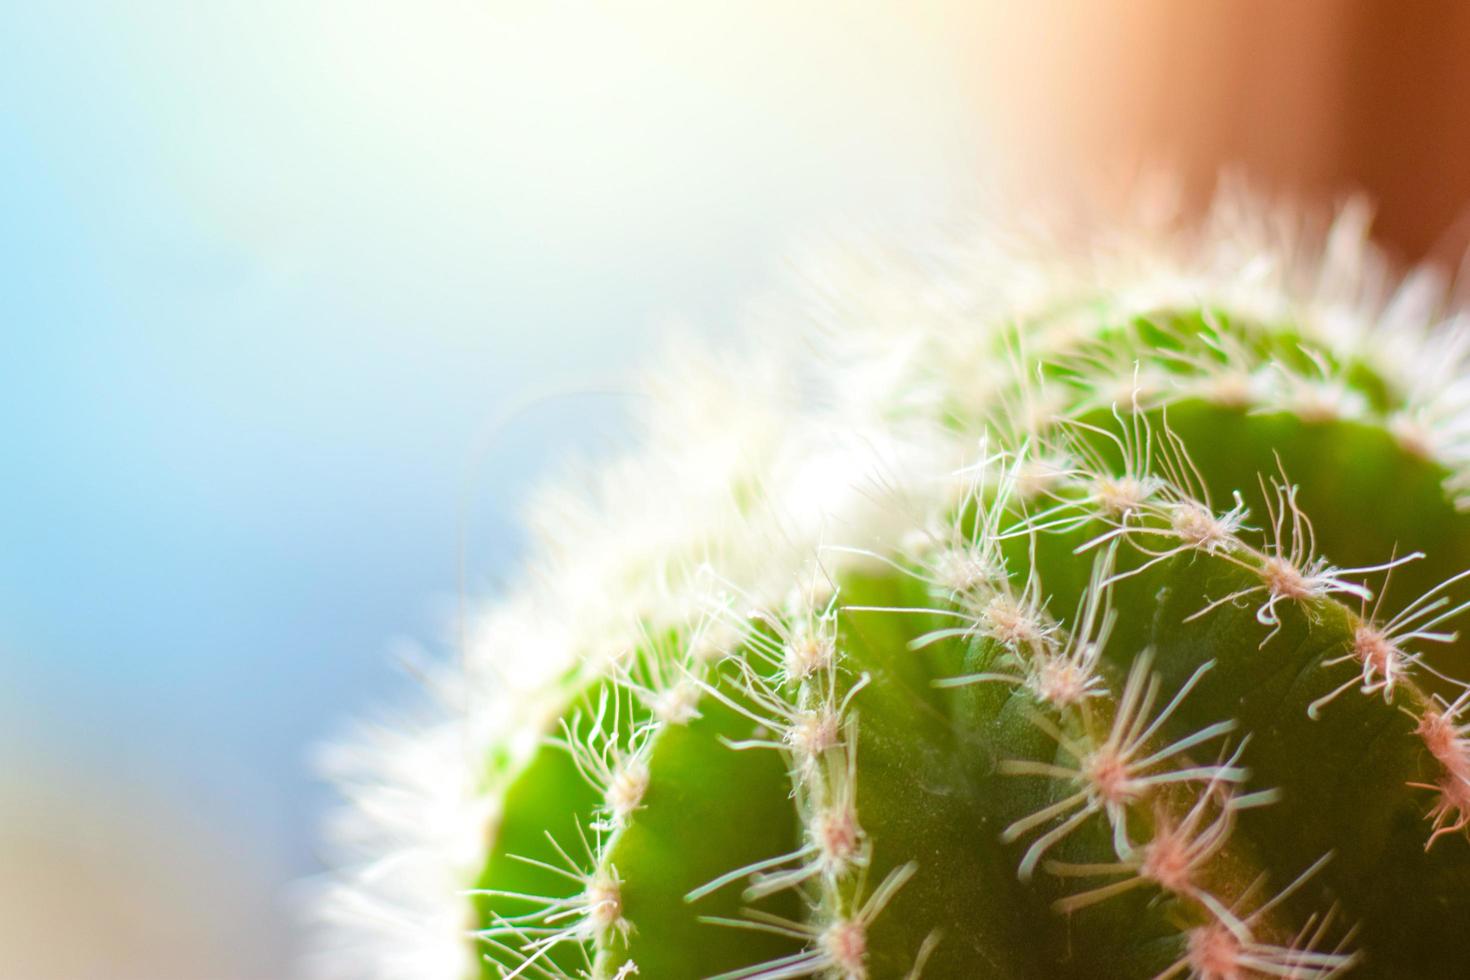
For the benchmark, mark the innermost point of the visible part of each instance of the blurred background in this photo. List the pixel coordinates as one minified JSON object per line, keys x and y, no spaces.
{"x":299,"y":296}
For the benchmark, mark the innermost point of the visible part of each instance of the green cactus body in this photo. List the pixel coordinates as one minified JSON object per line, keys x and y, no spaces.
{"x":1150,"y":674}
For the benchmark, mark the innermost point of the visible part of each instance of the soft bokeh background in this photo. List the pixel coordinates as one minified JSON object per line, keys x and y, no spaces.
{"x":299,"y":297}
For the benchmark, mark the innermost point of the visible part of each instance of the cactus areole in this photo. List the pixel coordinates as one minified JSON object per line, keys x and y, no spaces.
{"x":1040,"y":611}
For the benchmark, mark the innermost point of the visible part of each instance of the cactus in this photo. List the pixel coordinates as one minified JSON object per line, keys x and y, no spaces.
{"x":1057,"y":611}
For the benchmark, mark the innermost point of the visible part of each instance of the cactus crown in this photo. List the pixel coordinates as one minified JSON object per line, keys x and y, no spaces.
{"x":1061,"y":619}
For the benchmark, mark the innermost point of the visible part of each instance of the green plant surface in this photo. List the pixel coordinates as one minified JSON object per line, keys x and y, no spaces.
{"x":1141,"y":661}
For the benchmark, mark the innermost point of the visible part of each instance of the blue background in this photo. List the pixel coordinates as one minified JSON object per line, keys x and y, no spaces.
{"x":274,"y":278}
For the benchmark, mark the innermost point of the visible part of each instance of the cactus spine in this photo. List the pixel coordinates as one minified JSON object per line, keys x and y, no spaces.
{"x":1096,"y":619}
